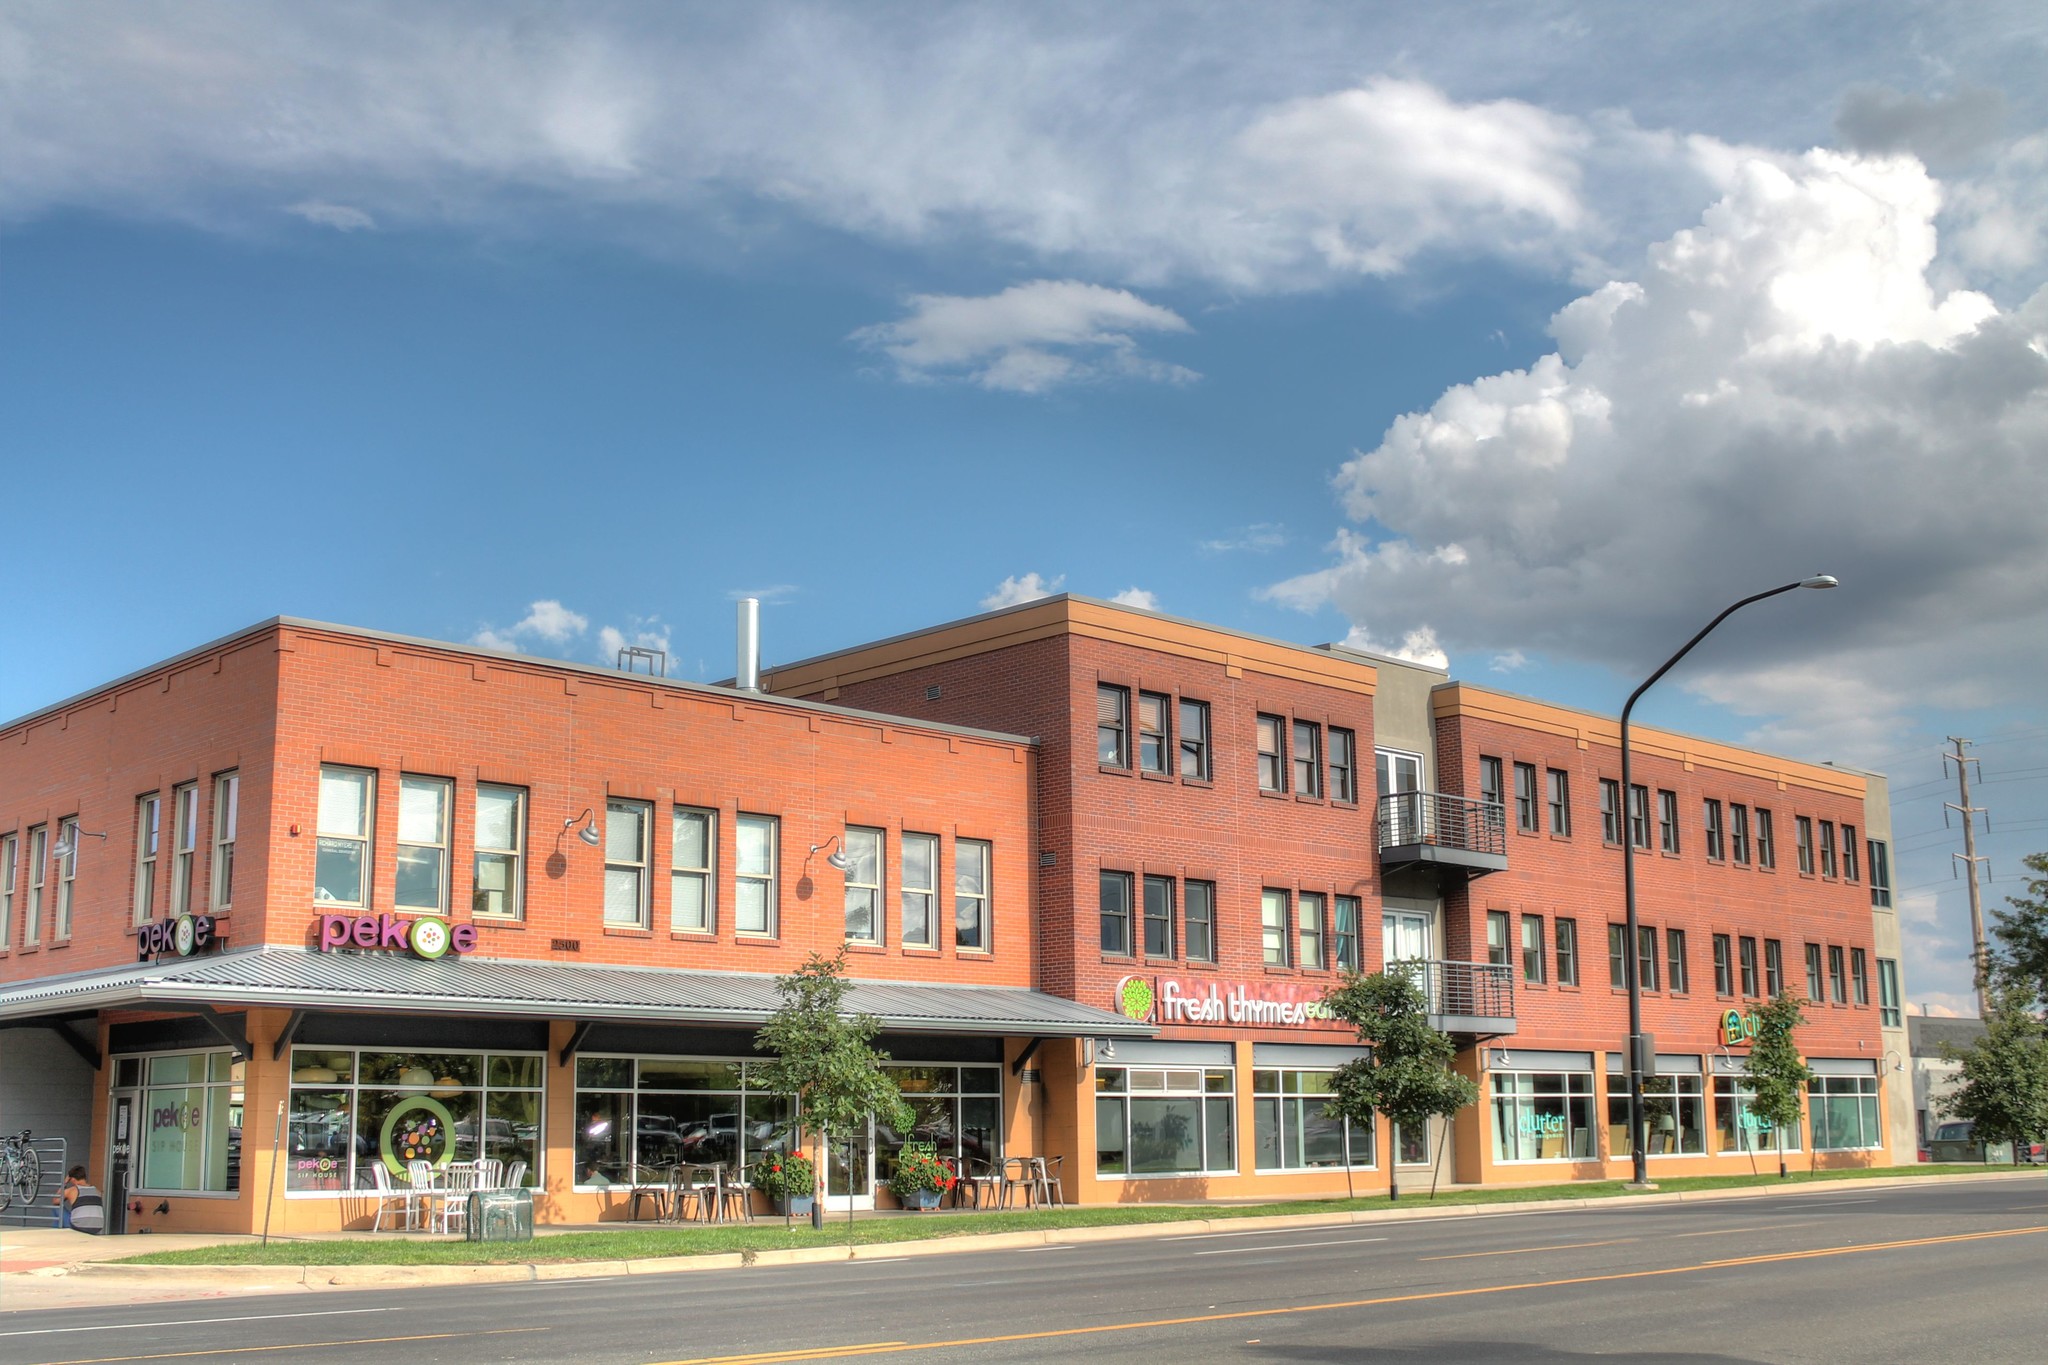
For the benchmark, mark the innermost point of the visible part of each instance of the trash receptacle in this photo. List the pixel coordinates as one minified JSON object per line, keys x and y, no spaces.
{"x":501,"y":1216}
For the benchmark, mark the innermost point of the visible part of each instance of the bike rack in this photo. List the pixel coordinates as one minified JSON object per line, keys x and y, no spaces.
{"x":55,"y":1155}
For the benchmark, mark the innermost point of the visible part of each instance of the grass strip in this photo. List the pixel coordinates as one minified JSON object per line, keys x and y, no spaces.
{"x":640,"y":1241}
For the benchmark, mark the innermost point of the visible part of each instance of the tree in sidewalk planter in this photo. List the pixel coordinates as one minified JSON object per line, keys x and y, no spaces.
{"x":826,"y":1058}
{"x":1406,"y":1072}
{"x":1778,"y":1076}
{"x":2019,"y":959}
{"x":2004,"y":1090}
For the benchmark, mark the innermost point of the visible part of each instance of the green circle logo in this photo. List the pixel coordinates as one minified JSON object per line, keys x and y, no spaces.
{"x":429,"y":938}
{"x":418,"y":1129}
{"x":1134,"y":998}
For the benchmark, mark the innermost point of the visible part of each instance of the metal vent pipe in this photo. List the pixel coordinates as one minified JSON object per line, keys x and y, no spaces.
{"x":747,"y":671}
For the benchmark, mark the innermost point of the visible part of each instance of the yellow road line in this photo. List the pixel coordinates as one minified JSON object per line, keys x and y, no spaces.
{"x":1524,"y":1251}
{"x":892,"y":1348}
{"x":296,"y":1346}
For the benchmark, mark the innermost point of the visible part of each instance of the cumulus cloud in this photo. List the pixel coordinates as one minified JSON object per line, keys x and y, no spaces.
{"x":1028,"y":338}
{"x":546,"y":621}
{"x":1012,"y":591}
{"x":1781,"y":390}
{"x":340,"y":217}
{"x":1513,"y":661}
{"x":1260,"y":537}
{"x":641,"y":633}
{"x":1140,"y":598}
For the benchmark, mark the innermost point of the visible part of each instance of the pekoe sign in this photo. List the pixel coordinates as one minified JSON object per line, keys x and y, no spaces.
{"x":185,"y":935}
{"x":428,"y":938}
{"x":1175,"y":1000}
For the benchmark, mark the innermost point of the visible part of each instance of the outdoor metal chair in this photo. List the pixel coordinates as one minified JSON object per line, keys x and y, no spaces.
{"x":980,"y":1186}
{"x":390,"y":1198}
{"x":1049,"y":1178}
{"x":1021,"y":1174}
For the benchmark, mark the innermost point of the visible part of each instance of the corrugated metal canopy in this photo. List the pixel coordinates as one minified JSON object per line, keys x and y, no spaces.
{"x":295,"y":978}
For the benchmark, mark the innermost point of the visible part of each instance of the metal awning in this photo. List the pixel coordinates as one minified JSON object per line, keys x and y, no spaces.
{"x":295,"y":978}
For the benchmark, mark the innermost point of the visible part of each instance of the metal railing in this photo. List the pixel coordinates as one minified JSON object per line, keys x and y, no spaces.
{"x":1448,"y":821}
{"x":1483,"y":990}
{"x":54,"y":1156}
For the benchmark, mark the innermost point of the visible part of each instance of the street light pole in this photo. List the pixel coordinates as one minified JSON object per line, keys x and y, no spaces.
{"x":1632,"y":949}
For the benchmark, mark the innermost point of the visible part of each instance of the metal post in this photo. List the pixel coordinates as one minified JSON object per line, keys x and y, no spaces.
{"x":1631,"y":950}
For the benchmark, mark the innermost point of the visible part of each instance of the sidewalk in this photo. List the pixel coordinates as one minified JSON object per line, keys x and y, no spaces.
{"x":44,"y":1268}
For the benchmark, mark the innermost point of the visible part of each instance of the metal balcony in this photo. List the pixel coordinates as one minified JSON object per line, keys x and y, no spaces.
{"x":1451,"y":832}
{"x":1465,"y":997}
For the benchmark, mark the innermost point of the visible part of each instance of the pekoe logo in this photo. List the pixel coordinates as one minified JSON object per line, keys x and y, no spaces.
{"x":185,"y":935}
{"x":427,"y":938}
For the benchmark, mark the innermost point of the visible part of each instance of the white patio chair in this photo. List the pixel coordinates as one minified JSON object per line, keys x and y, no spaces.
{"x":390,"y":1198}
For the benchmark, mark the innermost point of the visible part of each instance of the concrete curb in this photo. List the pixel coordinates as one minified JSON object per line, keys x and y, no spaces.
{"x":403,"y":1276}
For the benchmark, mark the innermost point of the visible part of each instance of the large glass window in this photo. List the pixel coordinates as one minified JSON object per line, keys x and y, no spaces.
{"x":1674,"y":1114}
{"x":352,"y":1108}
{"x":657,"y":1112}
{"x":1291,"y":1130}
{"x":625,"y":862}
{"x":971,"y":895}
{"x":1152,"y":737}
{"x":1543,"y":1116}
{"x":863,"y":885}
{"x":1737,"y":1127}
{"x":1112,"y":726}
{"x":920,"y":889}
{"x":1194,"y":740}
{"x":1164,"y":1120}
{"x":1159,"y":917}
{"x":1273,"y":926}
{"x":191,"y":1121}
{"x":227,"y":814}
{"x":341,"y":870}
{"x":500,"y":890}
{"x":1842,"y":1111}
{"x":423,"y":844}
{"x":958,"y":1113}
{"x":1200,"y":911}
{"x":757,"y":841}
{"x":1116,"y":913}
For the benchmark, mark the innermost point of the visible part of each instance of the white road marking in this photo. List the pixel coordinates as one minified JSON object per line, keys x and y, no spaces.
{"x":1286,"y":1246}
{"x":197,"y":1322}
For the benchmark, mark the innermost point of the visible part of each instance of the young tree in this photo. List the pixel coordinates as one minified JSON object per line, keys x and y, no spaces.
{"x":1778,"y":1075}
{"x":2004,"y":1091}
{"x":826,"y":1058}
{"x":1406,"y":1072}
{"x":2020,"y":958}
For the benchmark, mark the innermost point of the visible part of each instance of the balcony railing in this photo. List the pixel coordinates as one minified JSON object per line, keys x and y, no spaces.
{"x":1453,"y":831}
{"x":1465,"y":997}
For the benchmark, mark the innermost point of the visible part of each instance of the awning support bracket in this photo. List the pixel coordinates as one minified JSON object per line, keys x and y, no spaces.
{"x":235,"y":1037}
{"x":1017,"y":1067}
{"x":88,"y":1052}
{"x":289,"y":1035}
{"x":575,"y":1041}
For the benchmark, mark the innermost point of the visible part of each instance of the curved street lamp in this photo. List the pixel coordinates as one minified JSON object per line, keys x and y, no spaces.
{"x":1632,"y":956}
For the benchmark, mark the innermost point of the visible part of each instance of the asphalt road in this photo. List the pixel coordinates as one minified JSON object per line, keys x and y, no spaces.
{"x":1948,"y":1271}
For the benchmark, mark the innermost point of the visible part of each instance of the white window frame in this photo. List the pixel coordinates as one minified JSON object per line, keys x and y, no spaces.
{"x":919,"y":899}
{"x":38,"y":872}
{"x":1273,"y":911}
{"x":363,"y":837}
{"x":627,"y":862}
{"x":67,"y":879}
{"x":10,"y":867}
{"x":227,"y":814}
{"x":864,"y":881}
{"x":184,"y":845}
{"x":758,"y":877}
{"x":685,"y":872}
{"x":1273,"y":758}
{"x":1344,"y":944}
{"x":512,"y":859}
{"x":1155,"y":741}
{"x":1308,"y":927}
{"x":971,"y":907}
{"x":434,"y":851}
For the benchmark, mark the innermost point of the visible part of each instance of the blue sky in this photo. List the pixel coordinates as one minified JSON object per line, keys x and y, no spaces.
{"x":1526,"y":336}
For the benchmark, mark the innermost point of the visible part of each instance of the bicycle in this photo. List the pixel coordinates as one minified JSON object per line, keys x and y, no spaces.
{"x":21,"y":1171}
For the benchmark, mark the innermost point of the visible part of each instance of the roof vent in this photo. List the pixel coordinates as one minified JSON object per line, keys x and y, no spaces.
{"x":932,"y":693}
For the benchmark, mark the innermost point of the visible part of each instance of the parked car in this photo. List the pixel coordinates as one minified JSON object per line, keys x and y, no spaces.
{"x":1953,"y":1141}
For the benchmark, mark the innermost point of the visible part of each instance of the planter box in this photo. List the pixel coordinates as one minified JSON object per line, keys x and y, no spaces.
{"x":795,"y":1205}
{"x":924,"y":1201}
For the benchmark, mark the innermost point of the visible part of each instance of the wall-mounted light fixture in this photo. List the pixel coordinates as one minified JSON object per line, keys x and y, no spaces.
{"x":64,"y":848}
{"x":837,"y":859}
{"x":588,"y":834}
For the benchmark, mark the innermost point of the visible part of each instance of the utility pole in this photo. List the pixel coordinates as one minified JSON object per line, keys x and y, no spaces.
{"x":1980,"y":950}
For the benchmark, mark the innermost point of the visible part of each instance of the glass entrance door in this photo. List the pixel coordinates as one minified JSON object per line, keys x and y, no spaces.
{"x":1399,"y":772}
{"x":850,"y":1171}
{"x":1404,"y":937}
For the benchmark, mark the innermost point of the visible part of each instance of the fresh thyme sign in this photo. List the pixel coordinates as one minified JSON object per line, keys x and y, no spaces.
{"x":1174,"y":1000}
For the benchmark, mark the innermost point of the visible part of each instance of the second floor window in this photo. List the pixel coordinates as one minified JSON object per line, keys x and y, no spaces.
{"x":1813,"y":989}
{"x":1194,"y":740}
{"x":1489,"y":781}
{"x":1827,"y":848}
{"x":227,"y":814}
{"x":1200,"y":913}
{"x":971,"y":895}
{"x":1272,"y":758}
{"x":1617,"y":956}
{"x":148,"y":828}
{"x":1309,"y":920}
{"x":1738,"y":832}
{"x":1724,"y":965}
{"x":341,"y":864}
{"x":1679,"y":975}
{"x":1343,"y":765}
{"x":756,"y":844}
{"x":1748,"y":946}
{"x":1667,"y":824}
{"x":1532,"y":949}
{"x":423,"y":844}
{"x":1713,"y":829}
{"x":1560,"y":802}
{"x":863,"y":885}
{"x":1153,"y":745}
{"x":184,"y":845}
{"x":1880,"y":873}
{"x":1112,"y":726}
{"x":1344,"y":934}
{"x":1639,"y":816}
{"x":1766,"y":847}
{"x":1774,"y":968}
{"x":1859,"y":975}
{"x":1159,"y":917}
{"x":1802,"y":828}
{"x":1308,"y":758}
{"x":625,"y":862}
{"x":1646,"y":956}
{"x":693,"y":870}
{"x":1889,"y":1012}
{"x":920,"y":889}
{"x":10,"y":864}
{"x":1849,"y":853}
{"x":1116,"y":914}
{"x":38,"y":871}
{"x":1498,"y":953}
{"x":1838,"y":986}
{"x":1567,"y":936}
{"x":1525,"y":797}
{"x":500,"y":889}
{"x":1610,"y":810}
{"x":67,"y":877}
{"x":1273,"y":927}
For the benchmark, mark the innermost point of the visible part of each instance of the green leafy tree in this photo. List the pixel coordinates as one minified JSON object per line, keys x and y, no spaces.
{"x":826,"y":1057}
{"x":2020,"y":959}
{"x":2004,"y":1090}
{"x":1778,"y":1075}
{"x":1406,"y":1073}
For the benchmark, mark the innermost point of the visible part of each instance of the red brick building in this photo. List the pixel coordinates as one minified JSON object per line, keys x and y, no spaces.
{"x":331,"y":892}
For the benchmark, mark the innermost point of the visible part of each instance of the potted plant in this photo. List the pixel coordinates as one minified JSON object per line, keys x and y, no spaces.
{"x":788,"y":1178}
{"x":921,"y":1177}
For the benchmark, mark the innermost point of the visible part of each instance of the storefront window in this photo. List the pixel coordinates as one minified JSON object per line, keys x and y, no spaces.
{"x":1543,"y":1116}
{"x":349,"y":1109}
{"x":191,"y":1123}
{"x":1164,"y":1120}
{"x":657,"y":1112}
{"x":1843,"y":1112}
{"x":1291,"y":1131}
{"x":1674,"y":1113}
{"x":1739,"y":1129}
{"x":959,"y":1116}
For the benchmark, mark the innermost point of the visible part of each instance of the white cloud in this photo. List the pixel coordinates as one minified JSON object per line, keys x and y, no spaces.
{"x":1781,"y":390}
{"x":1259,"y":537}
{"x":640,"y":633}
{"x":340,"y":217}
{"x":1513,"y":661}
{"x":1027,"y":339}
{"x":1012,"y":591}
{"x":547,"y":621}
{"x":1140,"y":598}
